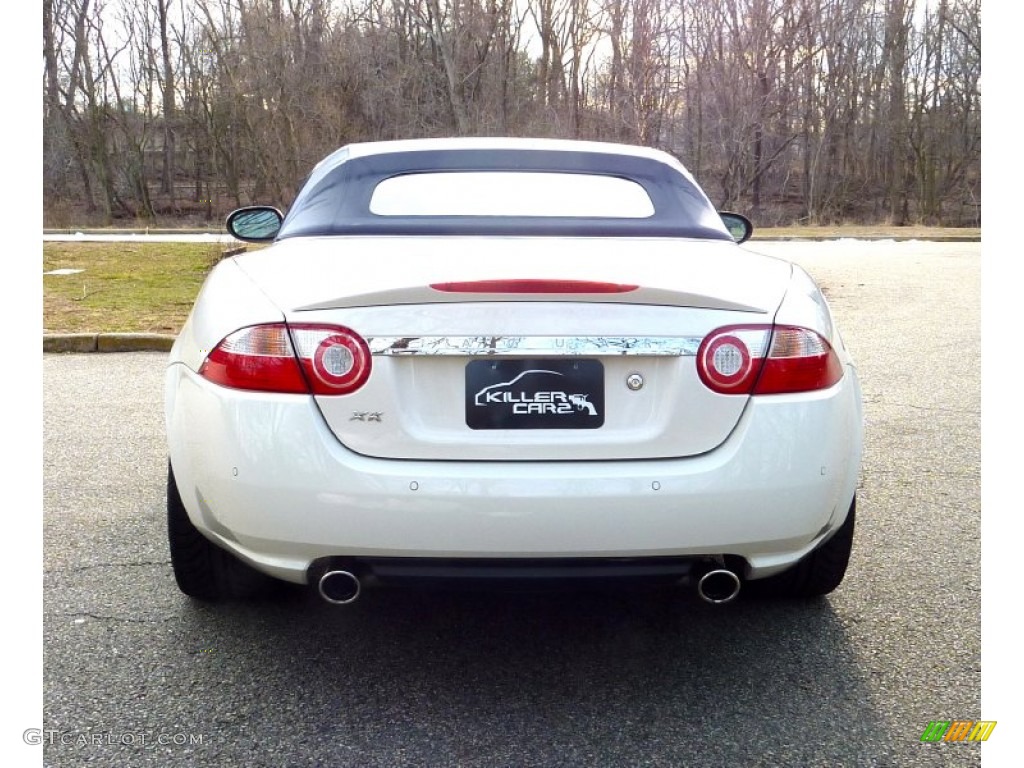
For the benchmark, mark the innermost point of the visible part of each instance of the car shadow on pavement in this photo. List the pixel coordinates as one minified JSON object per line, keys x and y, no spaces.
{"x":571,"y":678}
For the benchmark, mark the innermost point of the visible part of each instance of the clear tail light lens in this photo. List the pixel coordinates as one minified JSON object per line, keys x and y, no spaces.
{"x":729,"y":359}
{"x":302,"y":359}
{"x":762,"y":360}
{"x":336,"y":360}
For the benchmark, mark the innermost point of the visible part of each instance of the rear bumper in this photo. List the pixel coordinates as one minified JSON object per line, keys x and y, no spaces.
{"x":263,"y":476}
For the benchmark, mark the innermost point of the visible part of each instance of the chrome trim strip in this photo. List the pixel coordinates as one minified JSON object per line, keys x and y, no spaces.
{"x":530,"y":346}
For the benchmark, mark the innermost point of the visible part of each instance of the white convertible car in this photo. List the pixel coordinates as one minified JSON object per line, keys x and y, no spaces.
{"x":508,"y":360}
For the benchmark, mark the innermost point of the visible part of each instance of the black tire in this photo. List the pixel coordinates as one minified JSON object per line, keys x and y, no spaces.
{"x":202,"y":569}
{"x":819,"y":573}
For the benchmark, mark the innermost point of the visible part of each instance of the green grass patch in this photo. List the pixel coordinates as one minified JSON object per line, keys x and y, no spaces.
{"x":124,"y":287}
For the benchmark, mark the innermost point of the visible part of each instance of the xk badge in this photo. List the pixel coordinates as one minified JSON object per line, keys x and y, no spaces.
{"x":366,"y":416}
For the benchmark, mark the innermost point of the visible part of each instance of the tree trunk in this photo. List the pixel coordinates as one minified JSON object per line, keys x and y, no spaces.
{"x":167,"y":176}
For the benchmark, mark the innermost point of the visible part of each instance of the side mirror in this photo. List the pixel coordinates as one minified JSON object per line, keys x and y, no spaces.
{"x":255,"y":223}
{"x":739,"y":226}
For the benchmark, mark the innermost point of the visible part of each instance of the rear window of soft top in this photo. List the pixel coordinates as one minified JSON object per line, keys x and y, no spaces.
{"x":510,"y":193}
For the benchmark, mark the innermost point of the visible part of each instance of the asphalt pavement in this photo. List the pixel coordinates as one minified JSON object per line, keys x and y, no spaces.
{"x":137,"y":674}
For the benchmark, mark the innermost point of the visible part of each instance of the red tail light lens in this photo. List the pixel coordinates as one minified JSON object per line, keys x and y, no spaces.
{"x":259,"y":358}
{"x":302,"y":359}
{"x":533,"y":286}
{"x":762,"y":360}
{"x":799,"y":361}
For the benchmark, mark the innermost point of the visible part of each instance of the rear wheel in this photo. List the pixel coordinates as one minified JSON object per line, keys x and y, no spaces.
{"x":202,"y":569}
{"x":819,"y":572}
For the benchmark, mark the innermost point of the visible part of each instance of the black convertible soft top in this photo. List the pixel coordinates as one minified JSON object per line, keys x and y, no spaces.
{"x":335,"y":200}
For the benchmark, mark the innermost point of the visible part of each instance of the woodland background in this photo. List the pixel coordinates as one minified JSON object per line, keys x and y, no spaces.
{"x":792,"y":111}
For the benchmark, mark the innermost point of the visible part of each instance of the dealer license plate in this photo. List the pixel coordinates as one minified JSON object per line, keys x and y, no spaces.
{"x":539,"y":393}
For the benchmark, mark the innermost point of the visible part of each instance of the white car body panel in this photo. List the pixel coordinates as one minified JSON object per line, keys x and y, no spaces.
{"x":228,"y":300}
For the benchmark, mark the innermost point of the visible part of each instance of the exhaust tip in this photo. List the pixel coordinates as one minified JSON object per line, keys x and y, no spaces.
{"x":718,"y":586}
{"x":339,"y":587}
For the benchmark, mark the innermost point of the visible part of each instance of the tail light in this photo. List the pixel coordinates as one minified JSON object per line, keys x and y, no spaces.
{"x":762,"y":360}
{"x":799,"y":361}
{"x":302,"y":359}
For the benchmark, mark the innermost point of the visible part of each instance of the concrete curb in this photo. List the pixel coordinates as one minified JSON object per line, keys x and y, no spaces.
{"x":107,"y":342}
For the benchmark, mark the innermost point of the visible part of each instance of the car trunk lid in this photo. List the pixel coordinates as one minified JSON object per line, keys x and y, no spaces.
{"x":552,"y":371}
